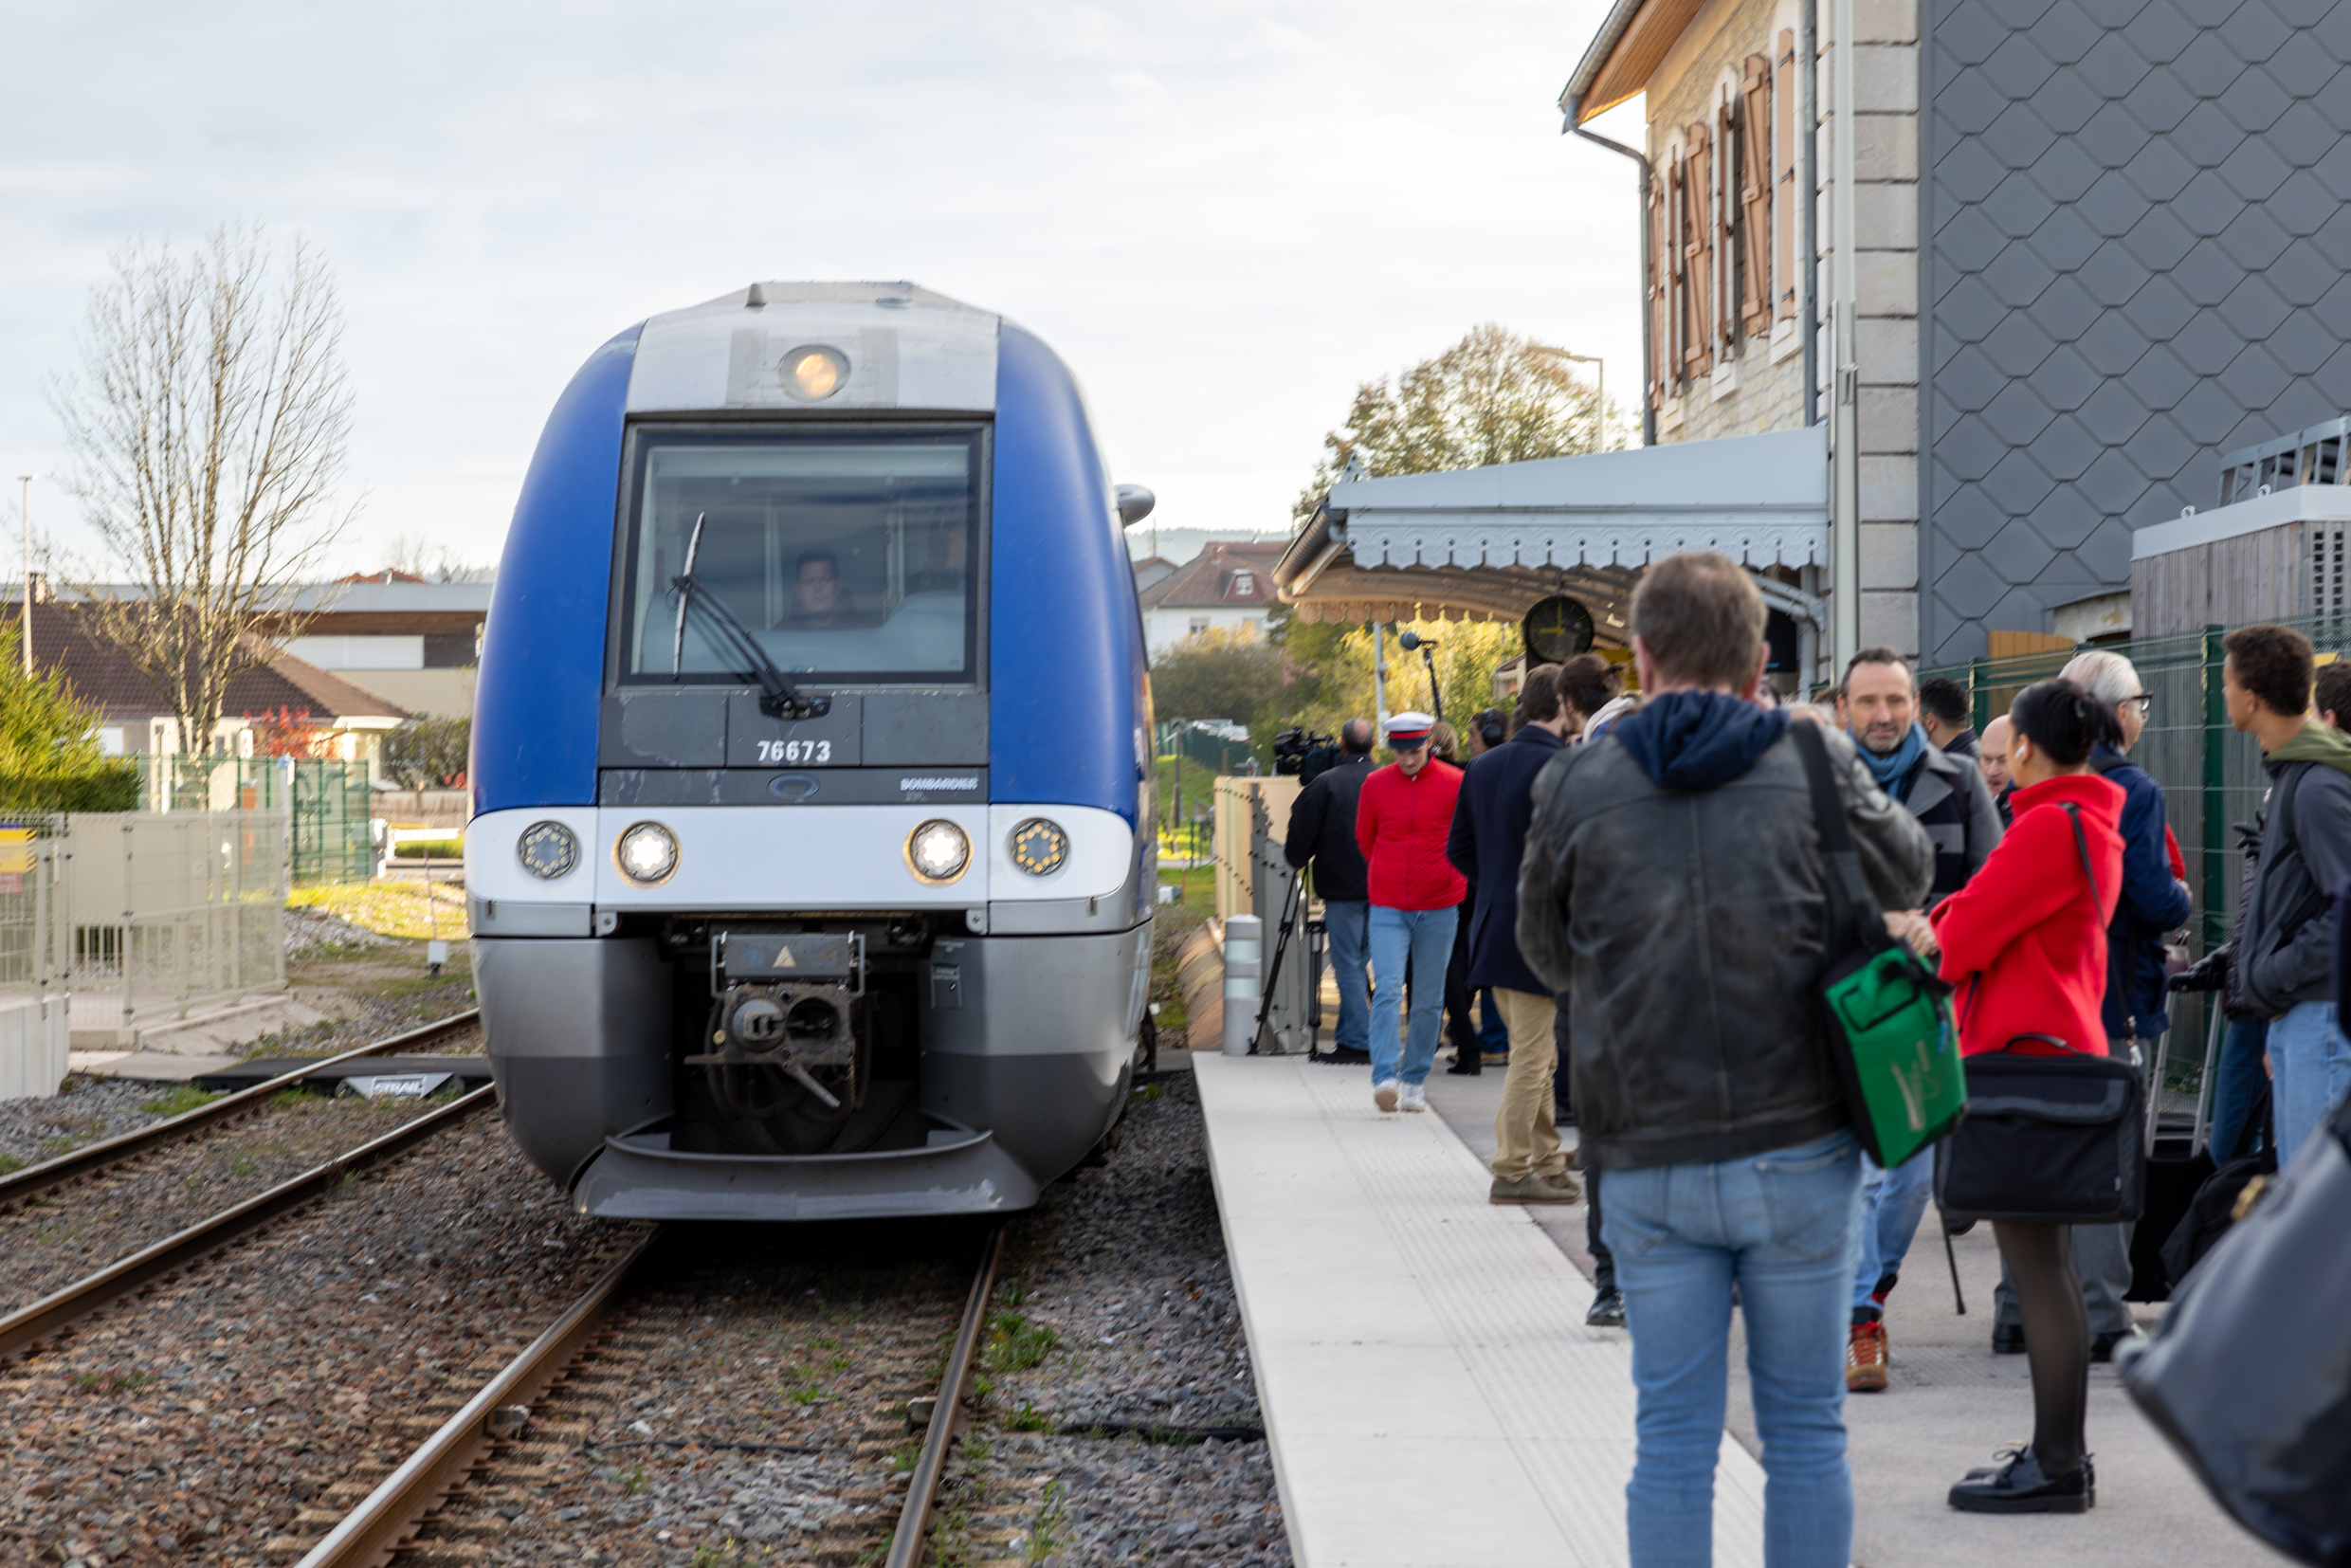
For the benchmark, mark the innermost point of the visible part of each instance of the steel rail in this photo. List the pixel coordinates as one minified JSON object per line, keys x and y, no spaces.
{"x":67,"y":1168}
{"x":923,"y":1487}
{"x":24,"y":1328}
{"x":371,"y":1532}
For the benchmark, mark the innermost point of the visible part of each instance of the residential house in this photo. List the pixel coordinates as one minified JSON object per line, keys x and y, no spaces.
{"x":1227,"y":587}
{"x":413,"y":642}
{"x":134,"y":720}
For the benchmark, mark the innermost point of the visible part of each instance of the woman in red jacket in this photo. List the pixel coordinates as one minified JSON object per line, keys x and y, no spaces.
{"x":2025,"y":942}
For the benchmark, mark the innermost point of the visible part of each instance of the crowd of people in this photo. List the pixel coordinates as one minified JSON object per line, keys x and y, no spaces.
{"x":1641,"y":923}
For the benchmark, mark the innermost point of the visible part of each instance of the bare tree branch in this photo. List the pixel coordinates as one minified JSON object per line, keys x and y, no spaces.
{"x":205,"y":427}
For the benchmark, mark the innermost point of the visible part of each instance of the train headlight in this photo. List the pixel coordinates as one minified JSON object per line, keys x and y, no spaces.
{"x":548,"y":850}
{"x":814,"y":373}
{"x":939,"y":850}
{"x":1040,"y":847}
{"x":647,"y":853}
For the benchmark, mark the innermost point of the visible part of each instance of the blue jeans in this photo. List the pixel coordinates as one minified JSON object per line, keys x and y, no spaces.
{"x":2237,"y":1082}
{"x":1781,"y":1227}
{"x":1344,"y":922}
{"x":2311,"y":1070}
{"x":1892,"y":1204}
{"x":1423,"y":937}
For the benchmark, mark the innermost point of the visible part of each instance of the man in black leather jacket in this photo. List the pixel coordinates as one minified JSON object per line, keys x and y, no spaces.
{"x":1674,"y":884}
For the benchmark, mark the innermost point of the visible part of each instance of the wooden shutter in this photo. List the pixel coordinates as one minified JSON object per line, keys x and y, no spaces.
{"x":1755,"y":196}
{"x":1698,"y":254}
{"x":1659,"y":301}
{"x":1787,"y":209}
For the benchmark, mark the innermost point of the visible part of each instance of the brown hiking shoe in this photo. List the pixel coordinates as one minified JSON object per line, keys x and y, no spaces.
{"x":1536,"y":1189}
{"x":1865,"y":1360}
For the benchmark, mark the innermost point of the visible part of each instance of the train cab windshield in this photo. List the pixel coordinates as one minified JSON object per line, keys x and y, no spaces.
{"x":847,"y":557}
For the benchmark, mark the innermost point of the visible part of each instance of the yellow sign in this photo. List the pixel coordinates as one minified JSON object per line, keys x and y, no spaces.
{"x":15,"y":851}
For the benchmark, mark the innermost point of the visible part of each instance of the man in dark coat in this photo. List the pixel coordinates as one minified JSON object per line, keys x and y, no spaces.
{"x":1489,"y":835}
{"x":1321,"y":831}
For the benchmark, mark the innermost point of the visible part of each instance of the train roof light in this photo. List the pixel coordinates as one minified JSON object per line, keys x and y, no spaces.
{"x":814,"y":373}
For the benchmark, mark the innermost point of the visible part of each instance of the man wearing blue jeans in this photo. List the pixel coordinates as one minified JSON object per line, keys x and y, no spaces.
{"x":1675,"y":885}
{"x":2287,"y":952}
{"x":1402,"y":816}
{"x":1322,"y":834}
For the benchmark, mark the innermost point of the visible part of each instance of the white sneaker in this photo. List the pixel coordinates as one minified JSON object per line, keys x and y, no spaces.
{"x":1384,"y":1093}
{"x":1415,"y":1097}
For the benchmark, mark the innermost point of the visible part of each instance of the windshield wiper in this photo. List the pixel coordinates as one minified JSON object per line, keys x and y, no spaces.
{"x":779,"y":699}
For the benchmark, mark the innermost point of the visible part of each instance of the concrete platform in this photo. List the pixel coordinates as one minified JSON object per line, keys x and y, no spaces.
{"x":147,"y":1065}
{"x":207,"y":1030}
{"x":1433,"y":1396}
{"x":1429,"y":1390}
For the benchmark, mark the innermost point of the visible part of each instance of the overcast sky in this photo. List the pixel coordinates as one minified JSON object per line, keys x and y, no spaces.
{"x":1223,"y":216}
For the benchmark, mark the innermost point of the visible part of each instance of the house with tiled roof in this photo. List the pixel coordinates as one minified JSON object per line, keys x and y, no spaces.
{"x":1227,"y":587}
{"x":135,"y":720}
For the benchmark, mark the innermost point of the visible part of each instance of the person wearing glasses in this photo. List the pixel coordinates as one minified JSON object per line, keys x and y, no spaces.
{"x":2154,"y":903}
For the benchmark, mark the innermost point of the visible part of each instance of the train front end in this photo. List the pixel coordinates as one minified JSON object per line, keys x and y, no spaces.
{"x":811,"y":872}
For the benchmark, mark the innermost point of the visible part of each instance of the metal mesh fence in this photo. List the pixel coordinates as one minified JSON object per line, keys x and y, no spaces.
{"x":328,"y":799}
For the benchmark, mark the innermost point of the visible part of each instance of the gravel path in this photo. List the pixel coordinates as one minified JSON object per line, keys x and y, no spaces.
{"x":84,"y":1110}
{"x":197,"y":1424}
{"x":60,"y":1236}
{"x":1118,"y":1306}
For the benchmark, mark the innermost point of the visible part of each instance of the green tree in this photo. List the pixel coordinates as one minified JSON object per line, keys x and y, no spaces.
{"x":1492,"y":397}
{"x":428,"y":754}
{"x":1466,"y":657}
{"x":50,"y":755}
{"x":1234,"y":675}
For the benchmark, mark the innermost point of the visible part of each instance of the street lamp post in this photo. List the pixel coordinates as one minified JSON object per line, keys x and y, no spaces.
{"x":1599,"y":382}
{"x":24,"y":509}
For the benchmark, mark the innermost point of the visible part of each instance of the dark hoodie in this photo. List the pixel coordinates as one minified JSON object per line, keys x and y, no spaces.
{"x":1698,"y":739}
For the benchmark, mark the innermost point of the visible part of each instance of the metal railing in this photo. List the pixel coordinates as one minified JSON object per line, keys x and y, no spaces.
{"x":327,"y":798}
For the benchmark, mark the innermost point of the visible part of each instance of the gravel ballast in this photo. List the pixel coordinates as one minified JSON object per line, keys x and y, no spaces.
{"x":197,"y":1423}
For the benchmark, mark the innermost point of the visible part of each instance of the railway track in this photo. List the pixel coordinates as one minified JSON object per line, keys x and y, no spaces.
{"x":99,"y":1159}
{"x":448,"y":1491}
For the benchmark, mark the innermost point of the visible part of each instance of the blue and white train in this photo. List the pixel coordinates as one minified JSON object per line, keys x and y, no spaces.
{"x":812,"y":869}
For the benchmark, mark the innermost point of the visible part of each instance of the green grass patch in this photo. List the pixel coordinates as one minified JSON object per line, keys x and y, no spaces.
{"x":110,"y":1382}
{"x":178,"y":1100}
{"x":1026,"y":1418}
{"x":1015,"y":1344}
{"x":10,"y":1162}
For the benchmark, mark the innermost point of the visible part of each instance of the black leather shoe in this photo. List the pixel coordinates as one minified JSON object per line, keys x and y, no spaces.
{"x":1608,"y":1310}
{"x":2101,"y":1346}
{"x":2089,"y":1475}
{"x":2020,"y":1487}
{"x":1347,"y":1056}
{"x":1466,"y":1065}
{"x":2007,"y":1338}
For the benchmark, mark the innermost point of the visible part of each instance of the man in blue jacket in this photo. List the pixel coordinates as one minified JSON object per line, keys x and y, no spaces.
{"x":2154,"y":904}
{"x":1489,"y":835}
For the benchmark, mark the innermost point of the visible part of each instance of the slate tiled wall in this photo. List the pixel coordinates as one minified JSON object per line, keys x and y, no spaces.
{"x":2136,"y":254}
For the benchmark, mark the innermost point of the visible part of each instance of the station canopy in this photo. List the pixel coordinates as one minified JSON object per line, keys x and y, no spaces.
{"x":1486,"y":544}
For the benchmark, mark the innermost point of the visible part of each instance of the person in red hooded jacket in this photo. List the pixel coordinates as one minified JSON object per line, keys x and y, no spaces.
{"x":2025,"y":942}
{"x":1402,"y":820}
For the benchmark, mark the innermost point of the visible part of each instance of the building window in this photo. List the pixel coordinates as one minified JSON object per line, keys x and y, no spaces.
{"x":1199,"y":623}
{"x":1722,"y":228}
{"x":1755,"y":197}
{"x":1244,"y":584}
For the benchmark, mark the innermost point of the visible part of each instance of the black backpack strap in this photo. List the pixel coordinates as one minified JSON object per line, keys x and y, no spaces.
{"x":1852,"y":908}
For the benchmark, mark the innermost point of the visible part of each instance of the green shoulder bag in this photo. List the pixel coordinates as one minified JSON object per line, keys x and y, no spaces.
{"x":1888,"y":1014}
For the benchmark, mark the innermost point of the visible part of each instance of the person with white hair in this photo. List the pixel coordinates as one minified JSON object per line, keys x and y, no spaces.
{"x":2154,"y":903}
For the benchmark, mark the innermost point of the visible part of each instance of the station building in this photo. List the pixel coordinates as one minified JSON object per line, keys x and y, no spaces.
{"x":2095,"y":245}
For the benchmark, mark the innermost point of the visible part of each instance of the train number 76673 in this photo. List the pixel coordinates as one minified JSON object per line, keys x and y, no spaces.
{"x":795,"y":751}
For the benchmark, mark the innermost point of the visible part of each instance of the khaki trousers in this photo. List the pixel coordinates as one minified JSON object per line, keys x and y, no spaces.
{"x":1526,"y":1141}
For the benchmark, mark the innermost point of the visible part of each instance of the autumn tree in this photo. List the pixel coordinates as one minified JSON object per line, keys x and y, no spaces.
{"x":205,"y":427}
{"x":1492,"y":397}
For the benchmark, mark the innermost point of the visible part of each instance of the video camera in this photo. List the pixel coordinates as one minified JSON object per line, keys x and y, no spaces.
{"x":1304,"y":756}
